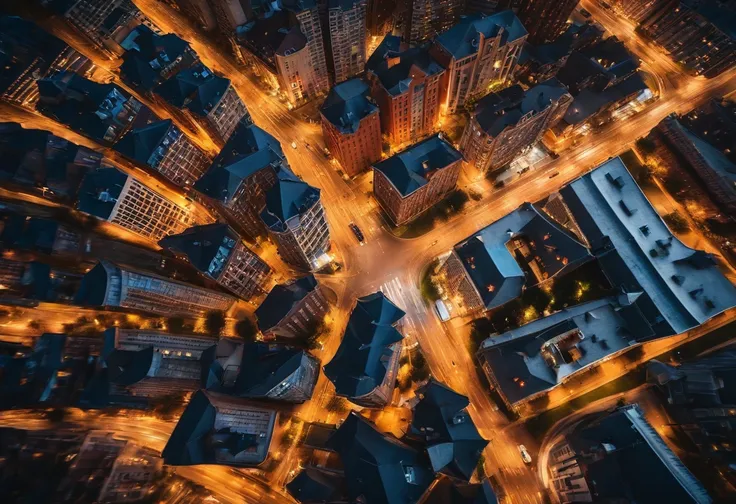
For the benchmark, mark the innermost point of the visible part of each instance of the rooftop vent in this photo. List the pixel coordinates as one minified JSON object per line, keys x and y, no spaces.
{"x":617,"y":182}
{"x":644,"y":230}
{"x":678,"y":279}
{"x":628,"y":211}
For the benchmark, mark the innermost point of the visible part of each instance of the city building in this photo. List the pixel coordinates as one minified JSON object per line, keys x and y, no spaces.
{"x":619,"y":456}
{"x":265,"y":371}
{"x":38,"y":160}
{"x":351,"y":126}
{"x":229,"y":14}
{"x":380,"y":17}
{"x":151,"y":59}
{"x":442,"y":422}
{"x":407,"y":85}
{"x":427,"y":18}
{"x":103,"y":112}
{"x":345,"y":37}
{"x":219,"y":253}
{"x":522,"y":249}
{"x":20,"y":232}
{"x":206,"y":99}
{"x":28,"y":53}
{"x":292,"y":310}
{"x":480,"y":54}
{"x":296,"y":222}
{"x":506,"y":123}
{"x":409,"y":183}
{"x":217,"y":429}
{"x":458,"y":492}
{"x":113,"y":196}
{"x":545,"y":20}
{"x":133,"y":475}
{"x":365,"y":366}
{"x":238,"y":179}
{"x":110,"y":285}
{"x":161,"y":145}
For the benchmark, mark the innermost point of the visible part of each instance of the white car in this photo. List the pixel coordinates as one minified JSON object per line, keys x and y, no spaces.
{"x":293,"y":145}
{"x":525,"y":454}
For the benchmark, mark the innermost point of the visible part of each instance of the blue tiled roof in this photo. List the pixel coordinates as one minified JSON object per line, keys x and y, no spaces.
{"x":462,"y":39}
{"x":265,"y":366}
{"x":140,"y":143}
{"x":202,"y":245}
{"x":100,"y":190}
{"x":397,"y":77}
{"x":347,"y":104}
{"x":408,"y":169}
{"x":282,"y":299}
{"x":288,"y":198}
{"x":197,"y":89}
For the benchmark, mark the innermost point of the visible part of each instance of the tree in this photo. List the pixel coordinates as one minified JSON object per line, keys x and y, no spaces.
{"x":676,"y":222}
{"x":214,"y":322}
{"x":246,"y":329}
{"x":536,"y":297}
{"x":646,"y":145}
{"x":175,"y":324}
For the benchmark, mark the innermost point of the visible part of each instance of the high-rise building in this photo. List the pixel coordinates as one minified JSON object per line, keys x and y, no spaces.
{"x":229,"y":14}
{"x":412,"y":181}
{"x":165,"y":148}
{"x":111,"y":285}
{"x":380,"y":17}
{"x":545,"y":20}
{"x":480,"y":54}
{"x":346,"y":47}
{"x":407,"y":86}
{"x":27,"y":53}
{"x":507,"y":122}
{"x":486,"y":7}
{"x":103,"y":112}
{"x":365,"y":366}
{"x":296,"y":221}
{"x":307,"y":14}
{"x":427,"y":18}
{"x":113,"y":196}
{"x":218,"y":252}
{"x":351,"y":126}
{"x":240,"y":176}
{"x":292,"y":310}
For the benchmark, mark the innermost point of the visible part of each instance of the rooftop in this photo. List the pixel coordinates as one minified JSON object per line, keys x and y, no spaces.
{"x":288,"y":198}
{"x":277,"y":33}
{"x":411,"y":169}
{"x":589,"y":101}
{"x":149,"y":56}
{"x":264,"y":367}
{"x":207,"y":247}
{"x":100,"y":191}
{"x":347,"y":104}
{"x":395,"y":65}
{"x":462,"y":39}
{"x":142,"y":144}
{"x":282,"y":299}
{"x":448,"y":491}
{"x":197,"y":89}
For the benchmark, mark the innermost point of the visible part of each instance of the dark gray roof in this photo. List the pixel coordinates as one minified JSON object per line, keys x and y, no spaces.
{"x":347,"y":104}
{"x":462,"y":39}
{"x":409,"y":169}
{"x":276,"y":33}
{"x":448,"y":491}
{"x":316,"y":486}
{"x":265,"y":366}
{"x":139,"y":144}
{"x":147,"y":54}
{"x":376,"y":464}
{"x":288,"y":198}
{"x":589,"y":101}
{"x":31,"y":233}
{"x":359,"y":365}
{"x":197,"y":89}
{"x":282,"y":299}
{"x":440,"y":420}
{"x":100,"y":190}
{"x":395,"y":78}
{"x":207,"y":247}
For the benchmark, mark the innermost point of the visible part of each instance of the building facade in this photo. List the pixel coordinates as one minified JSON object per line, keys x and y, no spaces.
{"x":507,"y":122}
{"x":545,"y":19}
{"x":351,"y":126}
{"x":292,"y":310}
{"x":229,"y":14}
{"x":346,"y":21}
{"x":412,"y":181}
{"x":480,"y":53}
{"x":108,"y":284}
{"x":427,"y":18}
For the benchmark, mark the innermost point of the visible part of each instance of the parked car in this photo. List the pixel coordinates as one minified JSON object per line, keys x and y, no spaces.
{"x":357,"y":232}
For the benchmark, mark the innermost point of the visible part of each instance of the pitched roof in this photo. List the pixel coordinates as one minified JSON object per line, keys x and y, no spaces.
{"x":30,"y":233}
{"x":314,"y":485}
{"x":204,"y":245}
{"x":100,"y":190}
{"x":448,"y":491}
{"x":265,"y":366}
{"x":197,"y":89}
{"x":289,"y":197}
{"x":347,"y":104}
{"x":462,"y":39}
{"x":359,"y":366}
{"x":282,"y":299}
{"x":397,"y":76}
{"x":409,"y":169}
{"x":140,"y":144}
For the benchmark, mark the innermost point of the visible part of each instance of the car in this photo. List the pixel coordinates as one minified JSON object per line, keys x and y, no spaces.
{"x":293,"y":145}
{"x":357,"y":232}
{"x":554,"y":174}
{"x":525,"y":454}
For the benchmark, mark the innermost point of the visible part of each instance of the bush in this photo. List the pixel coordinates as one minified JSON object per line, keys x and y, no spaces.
{"x":646,"y":145}
{"x":673,"y":184}
{"x":481,"y":329}
{"x":214,"y":322}
{"x":246,"y":329}
{"x":676,"y":222}
{"x":536,"y":297}
{"x":428,"y":289}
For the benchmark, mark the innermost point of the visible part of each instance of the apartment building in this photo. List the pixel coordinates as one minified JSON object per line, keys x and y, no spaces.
{"x":412,"y":181}
{"x":292,"y":310}
{"x":296,"y":222}
{"x":407,"y":85}
{"x":229,"y":14}
{"x":118,"y":198}
{"x":480,"y":54}
{"x":545,"y":20}
{"x":115,"y":286}
{"x":163,"y":147}
{"x":351,"y":126}
{"x":219,"y":253}
{"x":509,"y":121}
{"x":346,"y":43}
{"x":425,"y":19}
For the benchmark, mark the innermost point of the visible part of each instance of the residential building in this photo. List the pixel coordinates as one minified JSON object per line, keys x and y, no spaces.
{"x":407,"y":85}
{"x":441,"y":422}
{"x":218,"y":429}
{"x":458,"y":492}
{"x":113,"y":196}
{"x":111,"y":285}
{"x":480,"y":53}
{"x":241,"y":175}
{"x":229,"y":14}
{"x":365,"y":366}
{"x":425,"y":19}
{"x":20,"y":232}
{"x":619,"y":456}
{"x":486,"y":7}
{"x":522,"y":249}
{"x":296,"y":222}
{"x":161,"y":145}
{"x":346,"y":38}
{"x":219,"y":253}
{"x":103,"y":112}
{"x":351,"y":126}
{"x":292,"y":310}
{"x":132,"y":475}
{"x":38,"y":160}
{"x":506,"y":123}
{"x":409,"y":183}
{"x":27,"y":54}
{"x":545,"y":20}
{"x":307,"y":13}
{"x":265,"y":371}
{"x":379,"y":17}
{"x":206,"y":99}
